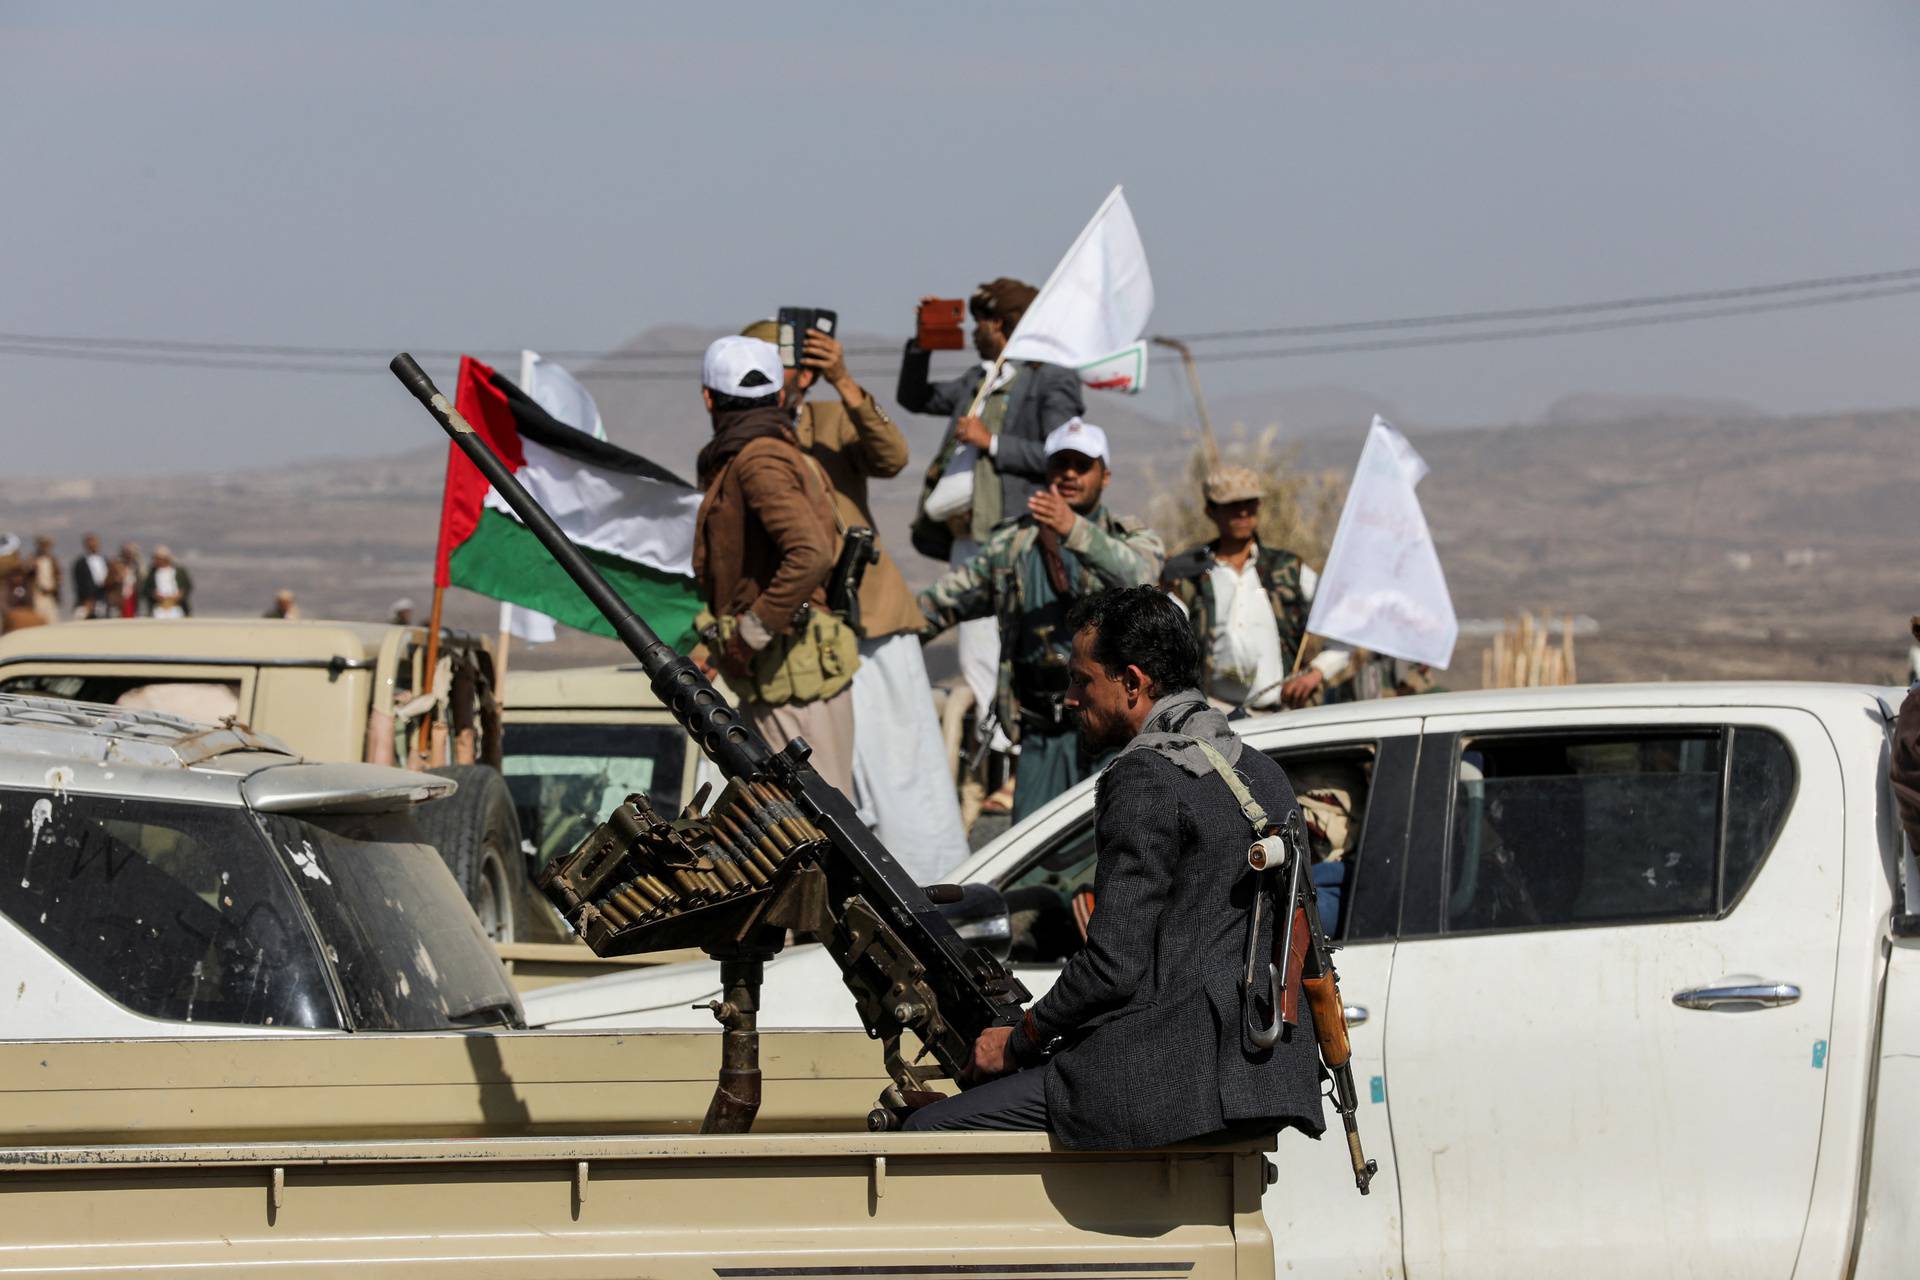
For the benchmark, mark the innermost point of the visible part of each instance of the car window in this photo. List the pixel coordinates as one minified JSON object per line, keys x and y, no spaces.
{"x":407,"y":949}
{"x":1050,"y":896}
{"x":1562,"y":830}
{"x":195,"y":698}
{"x":174,"y":910}
{"x":1041,"y":896}
{"x":566,"y":777}
{"x":1760,"y":786}
{"x":1332,"y":785}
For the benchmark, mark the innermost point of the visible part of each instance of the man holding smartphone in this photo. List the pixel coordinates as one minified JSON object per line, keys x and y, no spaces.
{"x":900,"y":778}
{"x":992,"y":459}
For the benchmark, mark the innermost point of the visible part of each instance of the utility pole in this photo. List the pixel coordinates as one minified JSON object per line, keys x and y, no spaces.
{"x":1199,"y":400}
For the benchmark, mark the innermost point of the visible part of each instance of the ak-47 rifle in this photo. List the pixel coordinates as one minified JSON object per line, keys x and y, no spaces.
{"x":1302,"y":961}
{"x":781,"y":849}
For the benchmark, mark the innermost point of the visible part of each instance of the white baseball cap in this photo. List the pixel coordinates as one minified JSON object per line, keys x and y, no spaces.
{"x":1079,"y":437}
{"x":744,"y":367}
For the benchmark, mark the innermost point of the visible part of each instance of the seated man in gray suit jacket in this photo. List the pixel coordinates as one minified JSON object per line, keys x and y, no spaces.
{"x":1142,"y":1041}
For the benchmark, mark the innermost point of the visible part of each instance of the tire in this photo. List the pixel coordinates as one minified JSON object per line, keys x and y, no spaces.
{"x":478,"y":835}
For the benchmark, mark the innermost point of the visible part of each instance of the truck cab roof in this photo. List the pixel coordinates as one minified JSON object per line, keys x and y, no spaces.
{"x":252,"y":641}
{"x":622,"y":687}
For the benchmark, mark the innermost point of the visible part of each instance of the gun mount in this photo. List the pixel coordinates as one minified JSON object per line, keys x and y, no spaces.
{"x":781,"y":850}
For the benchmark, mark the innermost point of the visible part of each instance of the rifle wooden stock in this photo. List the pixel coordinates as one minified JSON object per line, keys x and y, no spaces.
{"x":1329,"y":1019}
{"x":1301,"y":937}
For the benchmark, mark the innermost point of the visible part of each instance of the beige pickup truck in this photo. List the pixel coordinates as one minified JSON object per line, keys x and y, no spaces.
{"x":333,"y":691}
{"x":518,"y":1154}
{"x":247,"y":1028}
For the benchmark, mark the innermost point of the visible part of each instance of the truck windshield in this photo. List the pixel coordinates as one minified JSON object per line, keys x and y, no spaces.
{"x":173,"y":910}
{"x":409,"y":953}
{"x":566,"y":777}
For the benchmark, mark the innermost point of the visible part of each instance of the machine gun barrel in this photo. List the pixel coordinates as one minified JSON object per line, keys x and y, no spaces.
{"x":907,"y":967}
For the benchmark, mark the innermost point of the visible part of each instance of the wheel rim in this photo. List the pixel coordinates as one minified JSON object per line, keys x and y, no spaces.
{"x":490,"y":904}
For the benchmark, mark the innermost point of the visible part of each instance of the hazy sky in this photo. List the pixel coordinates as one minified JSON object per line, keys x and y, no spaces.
{"x":566,"y":175}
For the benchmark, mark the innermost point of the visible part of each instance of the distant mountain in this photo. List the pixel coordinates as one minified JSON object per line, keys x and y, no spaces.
{"x":1302,"y":411}
{"x":1703,"y":539}
{"x":1584,"y":408}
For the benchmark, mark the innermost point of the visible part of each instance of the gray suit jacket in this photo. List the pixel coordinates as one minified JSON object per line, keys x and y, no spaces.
{"x":1149,"y":1011}
{"x":1042,"y":397}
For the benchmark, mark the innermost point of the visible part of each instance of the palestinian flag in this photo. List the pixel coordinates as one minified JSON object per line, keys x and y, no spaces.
{"x":633,"y":519}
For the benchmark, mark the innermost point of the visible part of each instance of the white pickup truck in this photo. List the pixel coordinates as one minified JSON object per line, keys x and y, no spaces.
{"x":1634,"y":973}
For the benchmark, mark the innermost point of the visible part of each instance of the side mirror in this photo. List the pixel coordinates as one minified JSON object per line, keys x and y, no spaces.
{"x":978,"y":913}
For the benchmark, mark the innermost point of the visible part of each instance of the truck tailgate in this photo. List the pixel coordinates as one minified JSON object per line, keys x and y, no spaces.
{"x":762,"y":1206}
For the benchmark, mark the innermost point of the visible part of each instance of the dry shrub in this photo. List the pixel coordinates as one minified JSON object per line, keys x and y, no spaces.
{"x":1298,"y":511}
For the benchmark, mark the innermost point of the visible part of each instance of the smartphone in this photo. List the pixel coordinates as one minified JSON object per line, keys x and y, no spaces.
{"x":794,"y":322}
{"x":939,"y":325}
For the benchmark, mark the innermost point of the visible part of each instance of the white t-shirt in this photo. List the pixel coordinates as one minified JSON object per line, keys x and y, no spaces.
{"x":1246,"y":637}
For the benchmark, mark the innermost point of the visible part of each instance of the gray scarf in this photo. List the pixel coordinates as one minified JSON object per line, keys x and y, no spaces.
{"x":1176,"y":721}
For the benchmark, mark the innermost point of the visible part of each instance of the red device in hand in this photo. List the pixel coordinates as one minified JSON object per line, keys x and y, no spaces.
{"x":940,"y":325}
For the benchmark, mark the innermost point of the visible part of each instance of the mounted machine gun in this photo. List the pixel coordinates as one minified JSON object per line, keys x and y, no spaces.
{"x":781,"y":849}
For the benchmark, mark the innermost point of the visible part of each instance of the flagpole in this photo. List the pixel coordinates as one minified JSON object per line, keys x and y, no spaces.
{"x":1199,"y":400}
{"x":426,"y":677}
{"x":500,"y":656}
{"x":993,"y":374}
{"x":985,"y":388}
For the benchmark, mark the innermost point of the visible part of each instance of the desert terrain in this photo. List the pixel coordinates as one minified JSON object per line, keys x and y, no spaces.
{"x":1689,"y":539}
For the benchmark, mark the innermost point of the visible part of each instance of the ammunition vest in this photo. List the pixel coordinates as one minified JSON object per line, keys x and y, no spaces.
{"x":816,"y":661}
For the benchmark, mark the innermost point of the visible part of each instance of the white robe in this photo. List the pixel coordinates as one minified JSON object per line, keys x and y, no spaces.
{"x":900,"y":781}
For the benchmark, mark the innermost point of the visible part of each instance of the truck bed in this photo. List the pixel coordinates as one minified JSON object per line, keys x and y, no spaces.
{"x":570,"y":1154}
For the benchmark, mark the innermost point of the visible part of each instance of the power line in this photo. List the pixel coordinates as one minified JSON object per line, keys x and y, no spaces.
{"x":36,"y":340}
{"x":1564,"y":309}
{"x":1549,"y":331}
{"x":288,"y":358}
{"x":339,"y":370}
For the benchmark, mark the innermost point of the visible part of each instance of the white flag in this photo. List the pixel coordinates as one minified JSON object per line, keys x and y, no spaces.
{"x":1382,"y":588}
{"x":529,"y":624}
{"x":560,"y":394}
{"x":1097,"y":301}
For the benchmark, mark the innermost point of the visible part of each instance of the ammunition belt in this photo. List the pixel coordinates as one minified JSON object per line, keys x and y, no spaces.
{"x":628,"y":883}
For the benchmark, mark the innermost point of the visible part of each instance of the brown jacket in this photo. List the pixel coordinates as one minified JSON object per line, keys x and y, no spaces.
{"x":765,"y":537}
{"x":852,"y":445}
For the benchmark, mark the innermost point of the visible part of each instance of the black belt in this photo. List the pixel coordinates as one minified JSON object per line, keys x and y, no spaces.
{"x":1040,"y":692}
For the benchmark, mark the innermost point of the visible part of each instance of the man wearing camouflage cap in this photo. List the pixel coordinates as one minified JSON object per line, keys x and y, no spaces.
{"x":1248,"y":604}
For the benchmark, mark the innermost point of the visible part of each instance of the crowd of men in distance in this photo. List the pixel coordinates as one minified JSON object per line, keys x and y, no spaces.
{"x":96,"y":585}
{"x":1013,"y":502}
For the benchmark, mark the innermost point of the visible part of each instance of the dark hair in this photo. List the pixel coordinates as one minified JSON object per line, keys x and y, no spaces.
{"x":1004,"y":299}
{"x":1141,"y":627}
{"x":724,"y":403}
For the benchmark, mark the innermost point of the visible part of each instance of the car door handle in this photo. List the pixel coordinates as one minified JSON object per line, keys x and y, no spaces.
{"x":1356,"y":1014}
{"x":1745,"y":995}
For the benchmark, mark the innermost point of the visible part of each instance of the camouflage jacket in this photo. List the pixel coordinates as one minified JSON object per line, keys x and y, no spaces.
{"x":1187,"y":577}
{"x":1108,"y":551}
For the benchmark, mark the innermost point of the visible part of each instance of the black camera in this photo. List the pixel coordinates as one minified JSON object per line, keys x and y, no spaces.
{"x":793,"y":323}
